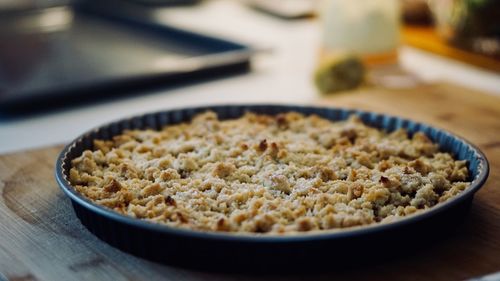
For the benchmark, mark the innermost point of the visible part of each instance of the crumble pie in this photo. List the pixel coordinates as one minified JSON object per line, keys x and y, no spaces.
{"x":280,"y":174}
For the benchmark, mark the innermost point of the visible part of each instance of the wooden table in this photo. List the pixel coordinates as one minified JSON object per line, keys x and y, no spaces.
{"x":41,"y":239}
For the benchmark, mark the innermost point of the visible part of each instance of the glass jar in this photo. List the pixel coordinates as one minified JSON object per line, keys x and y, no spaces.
{"x":368,"y":28}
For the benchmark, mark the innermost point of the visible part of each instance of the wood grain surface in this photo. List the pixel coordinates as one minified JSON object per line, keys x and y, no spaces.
{"x":41,"y":239}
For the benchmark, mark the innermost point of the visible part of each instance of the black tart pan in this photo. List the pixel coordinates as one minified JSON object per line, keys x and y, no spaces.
{"x":321,"y":251}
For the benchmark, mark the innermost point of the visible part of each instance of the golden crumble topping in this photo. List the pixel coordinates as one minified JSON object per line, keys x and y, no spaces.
{"x":267,"y":174}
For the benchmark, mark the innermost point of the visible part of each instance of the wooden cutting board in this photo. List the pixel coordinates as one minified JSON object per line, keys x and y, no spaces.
{"x":426,"y":38}
{"x":41,"y":239}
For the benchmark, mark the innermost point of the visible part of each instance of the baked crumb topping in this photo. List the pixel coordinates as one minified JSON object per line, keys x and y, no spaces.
{"x":279,"y":174}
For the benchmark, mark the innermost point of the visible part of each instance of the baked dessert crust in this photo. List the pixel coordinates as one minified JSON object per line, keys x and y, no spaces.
{"x":280,"y":174}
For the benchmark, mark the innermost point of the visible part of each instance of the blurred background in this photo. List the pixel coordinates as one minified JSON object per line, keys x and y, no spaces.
{"x":67,"y":66}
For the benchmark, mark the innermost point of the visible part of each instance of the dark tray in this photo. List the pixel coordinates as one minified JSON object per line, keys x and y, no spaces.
{"x":104,"y":52}
{"x":253,"y":253}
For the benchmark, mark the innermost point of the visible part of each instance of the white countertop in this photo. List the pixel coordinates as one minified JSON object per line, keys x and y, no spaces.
{"x":284,"y":75}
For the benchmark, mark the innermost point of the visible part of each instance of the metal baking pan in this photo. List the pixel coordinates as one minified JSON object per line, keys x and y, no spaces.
{"x":253,"y":253}
{"x":65,"y":55}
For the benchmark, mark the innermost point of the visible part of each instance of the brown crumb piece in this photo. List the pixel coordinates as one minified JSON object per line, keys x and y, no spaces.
{"x":170,"y":201}
{"x":223,"y":170}
{"x":420,"y":166}
{"x":113,"y":186}
{"x":326,"y":174}
{"x":304,"y":224}
{"x":181,"y":217}
{"x":222,"y":225}
{"x":152,"y":189}
{"x":383,"y":180}
{"x":357,"y":190}
{"x":262,"y":145}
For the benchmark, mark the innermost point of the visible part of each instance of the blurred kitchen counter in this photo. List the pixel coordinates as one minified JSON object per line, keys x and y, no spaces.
{"x":283,"y":75}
